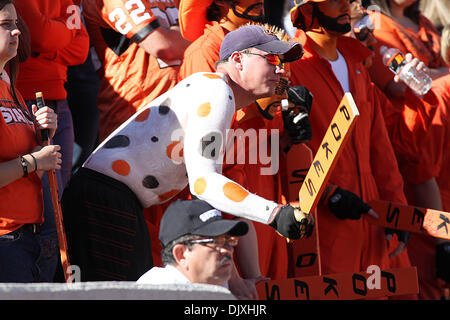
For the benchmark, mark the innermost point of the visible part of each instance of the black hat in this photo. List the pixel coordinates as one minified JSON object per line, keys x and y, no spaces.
{"x":196,"y":217}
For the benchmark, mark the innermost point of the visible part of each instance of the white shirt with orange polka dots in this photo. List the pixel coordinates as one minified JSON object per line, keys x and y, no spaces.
{"x":178,"y":139}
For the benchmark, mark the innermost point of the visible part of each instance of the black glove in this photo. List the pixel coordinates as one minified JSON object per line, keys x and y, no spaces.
{"x":300,"y":97}
{"x":443,"y":261}
{"x":297,"y":124}
{"x":291,"y":223}
{"x":347,"y":205}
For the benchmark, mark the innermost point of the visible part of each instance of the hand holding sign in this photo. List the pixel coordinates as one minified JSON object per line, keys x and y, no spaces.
{"x":347,"y":205}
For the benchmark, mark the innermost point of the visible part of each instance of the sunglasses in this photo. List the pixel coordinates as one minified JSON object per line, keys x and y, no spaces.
{"x":363,"y":27}
{"x":271,"y":58}
{"x":217,"y":242}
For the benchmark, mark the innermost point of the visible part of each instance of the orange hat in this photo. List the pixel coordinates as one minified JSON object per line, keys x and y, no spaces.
{"x":302,"y":13}
{"x":192,"y":18}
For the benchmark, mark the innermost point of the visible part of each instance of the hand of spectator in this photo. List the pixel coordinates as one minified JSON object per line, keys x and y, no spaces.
{"x":345,"y":204}
{"x":46,"y":118}
{"x":292,"y":223}
{"x":47,"y":158}
{"x":296,"y":117}
{"x":403,"y":238}
{"x":244,"y":289}
{"x":416,"y":63}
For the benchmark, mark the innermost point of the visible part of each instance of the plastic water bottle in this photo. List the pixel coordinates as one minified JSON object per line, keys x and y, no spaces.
{"x":418,"y":81}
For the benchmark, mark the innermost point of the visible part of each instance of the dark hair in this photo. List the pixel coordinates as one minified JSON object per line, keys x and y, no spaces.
{"x":213,"y":12}
{"x":13,"y":65}
{"x":413,"y":12}
{"x":167,"y":254}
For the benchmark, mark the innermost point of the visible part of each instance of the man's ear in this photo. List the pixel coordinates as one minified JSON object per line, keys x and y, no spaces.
{"x":236,"y":59}
{"x":178,"y":252}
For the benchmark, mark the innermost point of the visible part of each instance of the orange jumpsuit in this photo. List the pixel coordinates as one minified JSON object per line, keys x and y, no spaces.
{"x":201,"y":55}
{"x":367,"y":165}
{"x":431,"y":160}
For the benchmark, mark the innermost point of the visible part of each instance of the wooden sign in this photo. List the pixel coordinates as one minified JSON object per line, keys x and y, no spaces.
{"x":413,"y":219}
{"x":304,"y":255}
{"x":310,"y":177}
{"x":343,"y":286}
{"x":332,"y":144}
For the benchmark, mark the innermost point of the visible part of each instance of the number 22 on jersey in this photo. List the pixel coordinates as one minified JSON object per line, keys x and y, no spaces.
{"x":135,"y":10}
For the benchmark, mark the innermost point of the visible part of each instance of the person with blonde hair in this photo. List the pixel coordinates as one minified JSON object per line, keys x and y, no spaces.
{"x":403,"y":27}
{"x":445,"y":44}
{"x":438,"y":11}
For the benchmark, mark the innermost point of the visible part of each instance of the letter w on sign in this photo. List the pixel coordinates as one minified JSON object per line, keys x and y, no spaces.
{"x":326,"y":157}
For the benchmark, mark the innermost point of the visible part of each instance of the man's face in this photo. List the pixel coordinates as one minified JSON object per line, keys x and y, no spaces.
{"x":334,"y":15}
{"x":210,"y":262}
{"x":260,"y":77}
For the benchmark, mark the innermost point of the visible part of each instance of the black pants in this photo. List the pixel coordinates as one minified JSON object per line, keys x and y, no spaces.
{"x":106,"y":232}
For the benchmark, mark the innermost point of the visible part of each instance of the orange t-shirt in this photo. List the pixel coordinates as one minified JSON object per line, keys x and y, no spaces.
{"x":132,"y":77}
{"x":21,"y":200}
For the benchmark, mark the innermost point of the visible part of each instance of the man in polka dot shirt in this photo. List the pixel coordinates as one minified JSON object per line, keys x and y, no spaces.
{"x":177,"y":139}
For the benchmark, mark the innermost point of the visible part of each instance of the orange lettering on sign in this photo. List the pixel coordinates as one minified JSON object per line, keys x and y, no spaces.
{"x":325,"y":159}
{"x":341,"y":286}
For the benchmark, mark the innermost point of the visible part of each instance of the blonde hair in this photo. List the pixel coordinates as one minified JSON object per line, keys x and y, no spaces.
{"x":438,"y":11}
{"x":445,"y":44}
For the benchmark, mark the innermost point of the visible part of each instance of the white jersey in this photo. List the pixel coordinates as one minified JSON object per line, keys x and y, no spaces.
{"x":178,"y":139}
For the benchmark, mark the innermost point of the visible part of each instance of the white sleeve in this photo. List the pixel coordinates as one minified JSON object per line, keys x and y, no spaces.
{"x":205,"y":134}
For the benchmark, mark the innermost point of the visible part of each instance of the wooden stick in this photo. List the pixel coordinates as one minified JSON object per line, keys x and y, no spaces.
{"x":63,"y":250}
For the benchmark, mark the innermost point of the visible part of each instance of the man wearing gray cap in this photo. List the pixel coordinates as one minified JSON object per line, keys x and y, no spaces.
{"x":197,"y":245}
{"x":176,"y":140}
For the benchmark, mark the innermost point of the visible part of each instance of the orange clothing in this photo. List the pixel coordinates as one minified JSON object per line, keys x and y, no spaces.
{"x":21,"y":200}
{"x":424,"y":45}
{"x":193,"y":18}
{"x":441,"y":128}
{"x":53,"y":47}
{"x":423,"y":164}
{"x":272,"y":248}
{"x":422,"y":248}
{"x":432,"y":159}
{"x":132,"y":77}
{"x":201,"y":55}
{"x":367,"y":165}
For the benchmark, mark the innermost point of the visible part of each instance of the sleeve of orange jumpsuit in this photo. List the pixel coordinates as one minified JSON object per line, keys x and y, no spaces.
{"x":75,"y":52}
{"x":41,"y":25}
{"x":192,"y":18}
{"x":383,"y":161}
{"x":379,"y":72}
